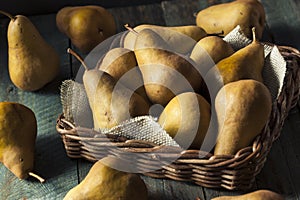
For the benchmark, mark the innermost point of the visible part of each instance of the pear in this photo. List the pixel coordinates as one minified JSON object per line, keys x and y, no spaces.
{"x":180,"y":38}
{"x":226,"y":16}
{"x":186,"y":118}
{"x":208,"y":51}
{"x":121,"y":64}
{"x":165,"y":73}
{"x":246,"y":63}
{"x":255,"y":195}
{"x":110,"y":101}
{"x":243,"y":109}
{"x":86,"y":26}
{"x":32,"y":62}
{"x":106,"y":183}
{"x":18,"y":130}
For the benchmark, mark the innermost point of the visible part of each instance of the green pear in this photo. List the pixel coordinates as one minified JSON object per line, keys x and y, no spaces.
{"x":186,"y":36}
{"x":243,"y":109}
{"x":208,"y":51}
{"x":106,"y":183}
{"x":32,"y":62}
{"x":86,"y":26}
{"x":121,"y":64}
{"x":110,"y":101}
{"x":165,"y":73}
{"x":186,"y":118}
{"x":18,"y":130}
{"x":225,"y":17}
{"x":255,"y":195}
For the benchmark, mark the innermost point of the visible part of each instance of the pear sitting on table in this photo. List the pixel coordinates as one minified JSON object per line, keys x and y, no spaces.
{"x":225,"y":17}
{"x":256,"y":195}
{"x":110,"y":101}
{"x":86,"y":26}
{"x":32,"y":62}
{"x":18,"y":130}
{"x":103,"y":182}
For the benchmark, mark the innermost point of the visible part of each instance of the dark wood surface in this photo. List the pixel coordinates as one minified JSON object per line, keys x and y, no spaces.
{"x":281,"y":171}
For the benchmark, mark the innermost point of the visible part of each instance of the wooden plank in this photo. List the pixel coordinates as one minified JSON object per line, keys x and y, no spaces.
{"x":180,"y":12}
{"x":281,"y":171}
{"x":284,"y":23}
{"x":51,"y":161}
{"x":37,"y":7}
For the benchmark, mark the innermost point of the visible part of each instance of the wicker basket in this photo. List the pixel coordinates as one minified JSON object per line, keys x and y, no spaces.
{"x":233,"y":172}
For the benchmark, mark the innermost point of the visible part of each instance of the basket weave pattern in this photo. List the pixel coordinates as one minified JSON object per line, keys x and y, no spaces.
{"x":233,"y":172}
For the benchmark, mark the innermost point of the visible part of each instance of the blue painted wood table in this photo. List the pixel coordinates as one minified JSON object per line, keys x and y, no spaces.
{"x":281,"y":172}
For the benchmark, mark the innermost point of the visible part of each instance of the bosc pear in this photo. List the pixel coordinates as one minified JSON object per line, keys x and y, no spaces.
{"x":180,"y":38}
{"x":164,"y":72}
{"x":262,"y":194}
{"x":225,"y":17}
{"x":110,"y":101}
{"x":208,"y":51}
{"x":243,"y":109}
{"x":121,"y":64}
{"x":246,"y":63}
{"x":186,"y":118}
{"x":86,"y":26}
{"x":32,"y":62}
{"x":18,"y":130}
{"x":103,"y":182}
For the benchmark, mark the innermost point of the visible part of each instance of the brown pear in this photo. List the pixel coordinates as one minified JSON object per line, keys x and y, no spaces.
{"x":186,"y":36}
{"x":255,"y":195}
{"x":32,"y":62}
{"x":18,"y":130}
{"x":243,"y":109}
{"x":86,"y":26}
{"x":208,"y":51}
{"x":106,"y":183}
{"x":225,"y":17}
{"x":186,"y":119}
{"x":246,"y":63}
{"x":121,"y":64}
{"x":165,"y":73}
{"x":110,"y":101}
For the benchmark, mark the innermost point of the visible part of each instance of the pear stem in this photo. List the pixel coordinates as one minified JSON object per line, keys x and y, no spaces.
{"x":130,"y":29}
{"x":37,"y":177}
{"x":78,"y":57}
{"x":8,"y":15}
{"x":254,"y":34}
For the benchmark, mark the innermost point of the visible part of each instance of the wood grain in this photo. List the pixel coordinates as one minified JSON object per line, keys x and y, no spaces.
{"x":280,"y":173}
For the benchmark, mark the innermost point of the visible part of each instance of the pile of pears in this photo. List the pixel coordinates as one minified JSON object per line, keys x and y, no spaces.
{"x":193,"y":74}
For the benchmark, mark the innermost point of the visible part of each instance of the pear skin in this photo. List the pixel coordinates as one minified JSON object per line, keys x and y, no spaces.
{"x":18,"y":130}
{"x":32,"y":62}
{"x":186,"y":36}
{"x":208,"y":51}
{"x":243,"y":109}
{"x":186,"y":118}
{"x":121,"y":64}
{"x":255,"y":195}
{"x":165,"y":73}
{"x":112,"y":102}
{"x":225,"y":17}
{"x":105,"y":183}
{"x":86,"y":26}
{"x":246,"y":63}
